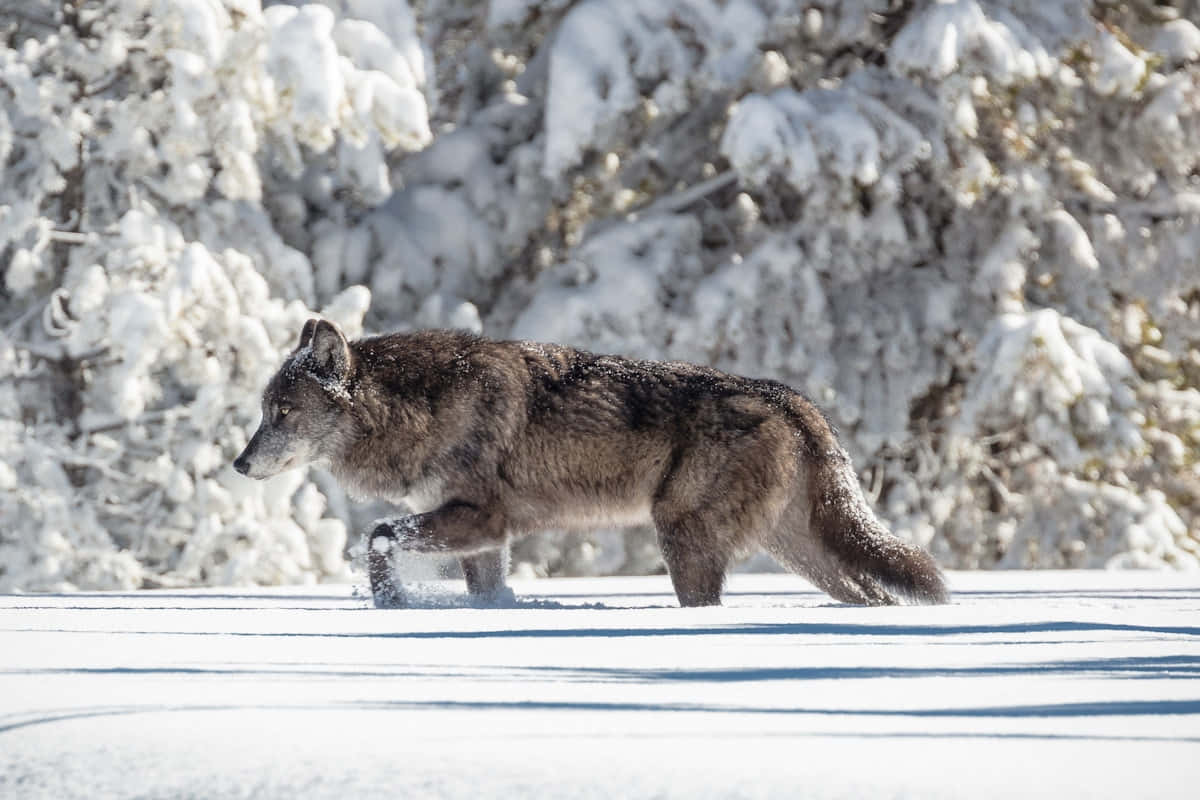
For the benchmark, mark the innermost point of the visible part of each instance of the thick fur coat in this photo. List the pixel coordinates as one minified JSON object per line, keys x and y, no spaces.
{"x":490,"y":440}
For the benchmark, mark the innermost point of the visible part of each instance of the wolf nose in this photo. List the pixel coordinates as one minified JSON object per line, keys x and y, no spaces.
{"x":241,"y":464}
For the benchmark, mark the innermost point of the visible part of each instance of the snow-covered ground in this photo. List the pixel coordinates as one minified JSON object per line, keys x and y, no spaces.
{"x":1051,"y":684}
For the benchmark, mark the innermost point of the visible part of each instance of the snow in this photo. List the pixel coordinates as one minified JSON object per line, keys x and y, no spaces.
{"x":1031,"y":684}
{"x":820,"y":127}
{"x":604,"y":49}
{"x":1045,"y":365}
{"x":1178,"y":39}
{"x":937,"y":41}
{"x":1120,"y":71}
{"x":303,"y":60}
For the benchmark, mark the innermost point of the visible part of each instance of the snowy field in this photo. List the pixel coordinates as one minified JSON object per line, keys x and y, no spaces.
{"x":1055,"y":685}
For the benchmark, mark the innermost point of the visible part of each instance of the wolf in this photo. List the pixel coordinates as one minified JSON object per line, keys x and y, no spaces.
{"x":489,"y":440}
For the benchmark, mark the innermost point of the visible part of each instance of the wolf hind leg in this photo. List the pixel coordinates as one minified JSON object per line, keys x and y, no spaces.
{"x":718,"y":500}
{"x":486,"y":575}
{"x":698,"y":578}
{"x":694,"y":557}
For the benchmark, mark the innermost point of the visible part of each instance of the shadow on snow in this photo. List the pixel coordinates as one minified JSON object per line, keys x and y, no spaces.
{"x":1141,"y":667}
{"x":749,"y":629}
{"x":1117,"y":708}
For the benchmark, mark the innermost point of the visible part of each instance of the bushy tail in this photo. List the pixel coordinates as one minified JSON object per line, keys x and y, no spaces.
{"x":867,"y":551}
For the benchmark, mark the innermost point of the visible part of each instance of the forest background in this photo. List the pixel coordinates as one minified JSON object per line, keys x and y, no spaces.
{"x":969,"y":230}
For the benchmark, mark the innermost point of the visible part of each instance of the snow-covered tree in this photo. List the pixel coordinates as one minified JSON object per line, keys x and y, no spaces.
{"x":155,"y":158}
{"x":969,"y":229}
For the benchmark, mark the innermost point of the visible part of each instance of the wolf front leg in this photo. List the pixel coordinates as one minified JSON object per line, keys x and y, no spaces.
{"x":385,"y":591}
{"x":486,"y":575}
{"x":457,"y":527}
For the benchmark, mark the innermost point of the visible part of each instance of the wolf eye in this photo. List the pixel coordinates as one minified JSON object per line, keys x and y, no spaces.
{"x":283,"y":411}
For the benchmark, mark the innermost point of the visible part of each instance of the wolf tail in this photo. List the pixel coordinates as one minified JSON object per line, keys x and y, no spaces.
{"x":872,"y":561}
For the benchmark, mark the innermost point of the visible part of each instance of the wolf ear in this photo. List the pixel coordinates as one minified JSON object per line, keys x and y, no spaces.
{"x":331,"y":351}
{"x":306,"y":333}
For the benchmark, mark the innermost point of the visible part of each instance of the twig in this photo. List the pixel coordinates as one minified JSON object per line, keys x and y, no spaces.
{"x":147,"y":418}
{"x":96,"y":464}
{"x":997,"y":484}
{"x":685,"y":197}
{"x":876,"y":487}
{"x":50,"y":322}
{"x":70,"y":237}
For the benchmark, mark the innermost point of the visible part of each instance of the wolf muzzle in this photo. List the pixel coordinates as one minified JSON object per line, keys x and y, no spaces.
{"x":242,"y":462}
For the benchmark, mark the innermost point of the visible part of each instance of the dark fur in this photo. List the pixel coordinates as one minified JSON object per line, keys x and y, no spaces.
{"x":499,"y":439}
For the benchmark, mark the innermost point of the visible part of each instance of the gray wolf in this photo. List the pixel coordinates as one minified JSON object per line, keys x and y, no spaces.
{"x":489,"y":440}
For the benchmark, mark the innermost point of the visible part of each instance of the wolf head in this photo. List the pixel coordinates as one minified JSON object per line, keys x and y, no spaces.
{"x":303,"y":404}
